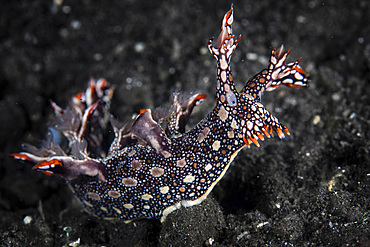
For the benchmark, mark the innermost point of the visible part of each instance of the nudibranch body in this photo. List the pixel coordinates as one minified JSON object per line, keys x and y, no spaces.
{"x":150,"y":171}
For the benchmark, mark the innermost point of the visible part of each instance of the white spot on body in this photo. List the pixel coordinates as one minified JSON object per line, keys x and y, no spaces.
{"x":223,"y":76}
{"x":249,"y":125}
{"x":234,"y":125}
{"x":223,"y":114}
{"x":298,"y":76}
{"x":230,"y":134}
{"x":223,"y":63}
{"x":146,"y":197}
{"x":87,"y":203}
{"x":114,"y":194}
{"x":104,"y":209}
{"x":157,"y":171}
{"x":129,"y":181}
{"x":226,"y":86}
{"x":166,"y":154}
{"x":117,"y":210}
{"x":189,"y":179}
{"x":208,"y":167}
{"x":181,"y":163}
{"x":94,"y":196}
{"x":230,"y":20}
{"x":128,"y":205}
{"x":136,"y":164}
{"x":202,"y":136}
{"x":275,"y":74}
{"x":164,"y":189}
{"x":287,"y":81}
{"x":216,"y":145}
{"x":273,"y":60}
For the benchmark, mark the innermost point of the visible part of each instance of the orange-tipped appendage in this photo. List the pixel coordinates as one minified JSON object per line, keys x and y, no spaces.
{"x":21,"y":156}
{"x":280,"y":133}
{"x":55,"y":107}
{"x":47,"y":164}
{"x":260,"y":136}
{"x":103,"y":83}
{"x":299,"y":69}
{"x":47,"y":172}
{"x":254,"y":140}
{"x":246,"y":142}
{"x":266,"y":132}
{"x":143,"y":111}
{"x":200,"y":97}
{"x":92,"y":108}
{"x":79,"y":96}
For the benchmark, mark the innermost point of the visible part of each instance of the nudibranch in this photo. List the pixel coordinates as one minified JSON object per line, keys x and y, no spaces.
{"x":154,"y":166}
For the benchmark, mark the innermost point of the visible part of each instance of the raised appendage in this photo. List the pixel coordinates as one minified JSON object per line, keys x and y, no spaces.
{"x":154,"y":166}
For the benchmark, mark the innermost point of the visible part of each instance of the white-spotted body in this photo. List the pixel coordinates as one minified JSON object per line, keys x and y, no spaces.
{"x":150,"y":171}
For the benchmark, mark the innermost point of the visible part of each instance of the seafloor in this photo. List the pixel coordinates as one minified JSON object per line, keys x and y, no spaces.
{"x":310,"y":189}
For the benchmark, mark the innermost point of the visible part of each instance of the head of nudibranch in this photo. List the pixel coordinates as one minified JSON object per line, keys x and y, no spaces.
{"x":242,"y":109}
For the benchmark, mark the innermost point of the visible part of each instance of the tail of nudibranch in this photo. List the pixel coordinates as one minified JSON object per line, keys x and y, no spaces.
{"x":83,"y":124}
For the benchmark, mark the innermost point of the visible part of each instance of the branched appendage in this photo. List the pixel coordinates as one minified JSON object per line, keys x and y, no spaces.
{"x":147,"y":129}
{"x":83,"y":124}
{"x":278,"y":73}
{"x":182,"y":107}
{"x":226,"y":92}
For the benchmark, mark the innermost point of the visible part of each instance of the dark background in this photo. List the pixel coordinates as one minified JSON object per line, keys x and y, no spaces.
{"x":310,"y":189}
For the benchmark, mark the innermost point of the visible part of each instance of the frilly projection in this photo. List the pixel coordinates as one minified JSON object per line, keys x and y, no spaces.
{"x":154,"y":166}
